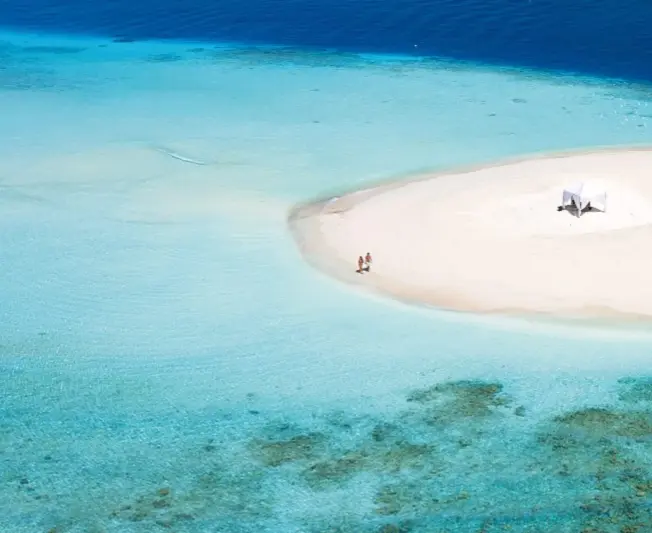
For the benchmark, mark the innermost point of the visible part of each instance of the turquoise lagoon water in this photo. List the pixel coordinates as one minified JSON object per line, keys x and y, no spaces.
{"x":169,"y":362}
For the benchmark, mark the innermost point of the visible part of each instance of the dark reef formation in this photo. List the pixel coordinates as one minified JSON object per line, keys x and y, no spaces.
{"x":459,"y":457}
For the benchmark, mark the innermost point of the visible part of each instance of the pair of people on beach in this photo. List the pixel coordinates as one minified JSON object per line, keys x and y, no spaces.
{"x":364,"y":263}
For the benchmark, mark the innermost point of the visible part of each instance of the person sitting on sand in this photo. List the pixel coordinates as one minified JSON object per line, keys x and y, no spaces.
{"x":367,"y":262}
{"x":360,"y":265}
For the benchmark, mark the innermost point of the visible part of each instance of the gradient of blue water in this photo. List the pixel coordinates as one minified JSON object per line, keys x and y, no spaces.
{"x":151,"y":304}
{"x":603,"y":37}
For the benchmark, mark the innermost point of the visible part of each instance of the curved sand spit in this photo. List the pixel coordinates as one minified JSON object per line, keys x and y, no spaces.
{"x":491,"y":239}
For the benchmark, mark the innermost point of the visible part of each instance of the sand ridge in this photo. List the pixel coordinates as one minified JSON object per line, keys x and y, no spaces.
{"x":491,"y":239}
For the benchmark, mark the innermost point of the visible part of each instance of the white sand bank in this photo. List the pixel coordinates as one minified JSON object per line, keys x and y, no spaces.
{"x":492,"y":240}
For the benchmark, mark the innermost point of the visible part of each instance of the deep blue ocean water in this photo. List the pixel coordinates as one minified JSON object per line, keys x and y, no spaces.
{"x":603,"y":37}
{"x":168,"y":362}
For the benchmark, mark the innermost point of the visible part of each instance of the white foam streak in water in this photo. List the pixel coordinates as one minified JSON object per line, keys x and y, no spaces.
{"x":152,"y":295}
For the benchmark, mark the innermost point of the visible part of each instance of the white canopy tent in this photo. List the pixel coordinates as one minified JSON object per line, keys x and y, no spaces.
{"x":583,"y":194}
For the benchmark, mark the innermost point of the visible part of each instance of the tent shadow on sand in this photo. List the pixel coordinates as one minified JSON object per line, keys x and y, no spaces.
{"x":572,"y":210}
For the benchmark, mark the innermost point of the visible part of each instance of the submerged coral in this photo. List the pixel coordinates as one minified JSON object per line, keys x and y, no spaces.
{"x":278,"y":452}
{"x":155,"y":506}
{"x":335,"y":470}
{"x":590,"y":467}
{"x":461,"y":400}
{"x":602,"y":422}
{"x":224,"y":495}
{"x":390,"y":457}
{"x":164,"y":58}
{"x":636,"y":390}
{"x":605,"y":451}
{"x":399,"y":498}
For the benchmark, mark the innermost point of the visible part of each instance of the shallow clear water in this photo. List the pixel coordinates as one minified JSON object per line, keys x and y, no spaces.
{"x":170,"y":363}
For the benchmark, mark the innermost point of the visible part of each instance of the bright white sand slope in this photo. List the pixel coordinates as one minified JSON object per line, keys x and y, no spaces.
{"x":492,"y":240}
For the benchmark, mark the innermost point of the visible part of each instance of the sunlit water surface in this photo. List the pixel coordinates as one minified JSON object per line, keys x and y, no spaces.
{"x":169,"y":363}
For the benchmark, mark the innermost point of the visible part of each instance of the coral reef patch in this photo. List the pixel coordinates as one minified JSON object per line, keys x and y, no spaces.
{"x":456,"y":458}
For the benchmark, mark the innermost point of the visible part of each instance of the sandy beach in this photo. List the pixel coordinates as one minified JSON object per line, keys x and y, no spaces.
{"x":491,"y":239}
